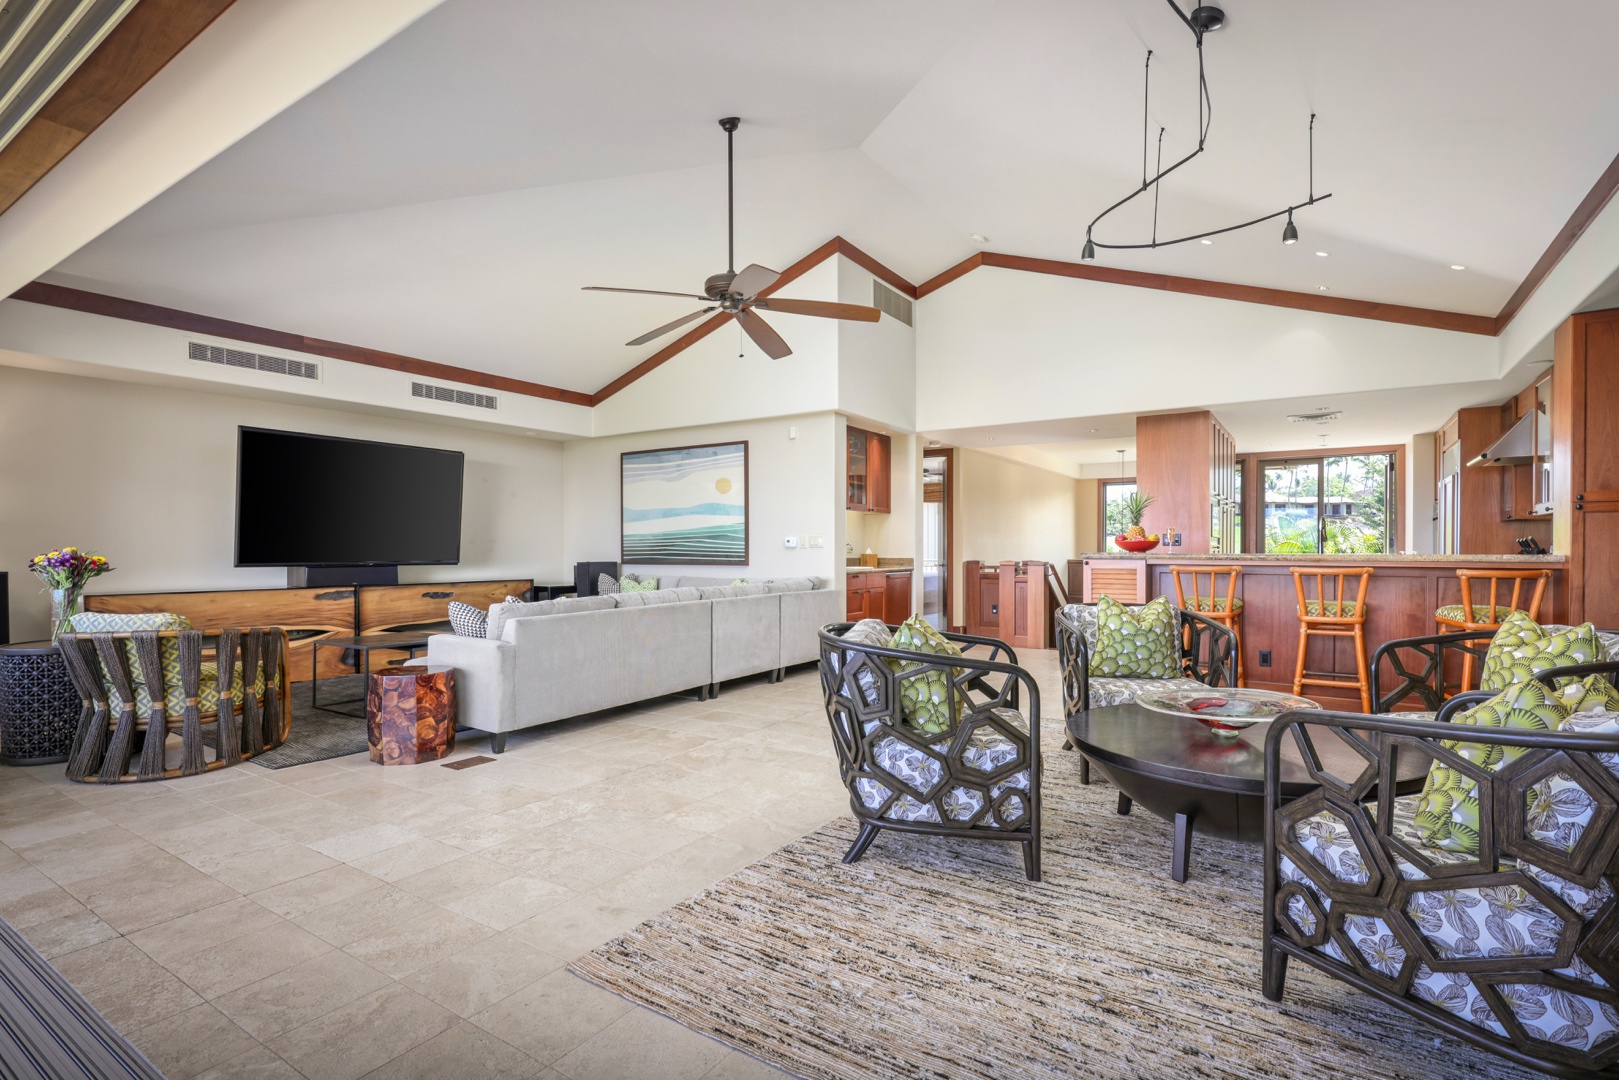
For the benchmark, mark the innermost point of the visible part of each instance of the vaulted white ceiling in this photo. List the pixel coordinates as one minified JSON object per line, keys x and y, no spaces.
{"x":446,"y":196}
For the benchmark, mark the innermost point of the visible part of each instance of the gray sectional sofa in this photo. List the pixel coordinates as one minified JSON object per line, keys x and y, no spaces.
{"x":561,"y":658}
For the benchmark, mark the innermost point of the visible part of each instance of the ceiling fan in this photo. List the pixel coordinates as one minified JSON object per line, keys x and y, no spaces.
{"x":738,"y":293}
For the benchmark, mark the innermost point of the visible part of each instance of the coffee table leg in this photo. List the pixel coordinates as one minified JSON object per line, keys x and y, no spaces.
{"x":1124,"y":803}
{"x":314,"y":675}
{"x":1183,"y":847}
{"x":1084,"y":769}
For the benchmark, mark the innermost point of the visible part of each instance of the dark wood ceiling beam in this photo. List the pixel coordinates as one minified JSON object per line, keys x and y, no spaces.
{"x":114,"y":307}
{"x":1595,"y":200}
{"x":151,"y":35}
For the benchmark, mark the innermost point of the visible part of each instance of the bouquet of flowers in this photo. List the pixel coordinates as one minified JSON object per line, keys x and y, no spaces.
{"x":65,"y":573}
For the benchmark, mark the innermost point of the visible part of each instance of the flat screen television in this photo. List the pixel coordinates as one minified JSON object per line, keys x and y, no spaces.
{"x":318,"y":500}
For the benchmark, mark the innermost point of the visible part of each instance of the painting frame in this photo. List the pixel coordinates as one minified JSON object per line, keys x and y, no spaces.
{"x":672,"y":548}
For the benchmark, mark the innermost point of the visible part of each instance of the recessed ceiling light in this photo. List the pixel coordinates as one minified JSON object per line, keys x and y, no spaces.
{"x":1207,"y":241}
{"x":1457,"y":266}
{"x":1323,"y":254}
{"x":1090,"y":431}
{"x":979,"y":238}
{"x":1322,"y":288}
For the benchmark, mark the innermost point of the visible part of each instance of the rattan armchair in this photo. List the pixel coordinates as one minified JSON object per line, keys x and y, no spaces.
{"x":977,"y":779}
{"x":137,"y":688}
{"x":1516,"y":948}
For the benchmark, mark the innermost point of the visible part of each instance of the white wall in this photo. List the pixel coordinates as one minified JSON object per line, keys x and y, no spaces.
{"x":794,"y":489}
{"x":147,"y":476}
{"x":1004,"y":346}
{"x":1420,"y":500}
{"x":1008,"y":510}
{"x":876,"y":361}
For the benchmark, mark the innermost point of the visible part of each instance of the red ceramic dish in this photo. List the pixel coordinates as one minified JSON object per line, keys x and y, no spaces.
{"x":1137,"y":546}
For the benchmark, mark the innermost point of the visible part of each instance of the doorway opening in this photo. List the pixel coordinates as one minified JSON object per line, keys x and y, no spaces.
{"x":937,"y":520}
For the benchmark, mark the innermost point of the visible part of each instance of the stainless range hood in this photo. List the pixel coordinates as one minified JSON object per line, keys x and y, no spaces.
{"x":1516,"y":447}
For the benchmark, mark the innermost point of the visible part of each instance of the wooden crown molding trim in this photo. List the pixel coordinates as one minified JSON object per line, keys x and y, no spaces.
{"x":939,"y":281}
{"x":151,"y":35}
{"x":873,"y":267}
{"x":1584,"y":214}
{"x":114,"y":307}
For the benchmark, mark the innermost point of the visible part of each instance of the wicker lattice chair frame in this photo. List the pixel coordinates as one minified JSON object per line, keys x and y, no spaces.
{"x":114,"y":744}
{"x":1367,"y":922}
{"x":1418,"y":664}
{"x":863,"y":695}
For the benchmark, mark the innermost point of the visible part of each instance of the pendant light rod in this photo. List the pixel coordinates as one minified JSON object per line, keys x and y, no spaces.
{"x":730,"y":125}
{"x":1199,"y":22}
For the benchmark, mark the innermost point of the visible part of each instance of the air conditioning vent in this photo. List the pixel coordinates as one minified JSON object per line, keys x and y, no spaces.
{"x":238,"y":358}
{"x":890,"y":302}
{"x":42,"y":42}
{"x":1318,"y":416}
{"x":453,"y":396}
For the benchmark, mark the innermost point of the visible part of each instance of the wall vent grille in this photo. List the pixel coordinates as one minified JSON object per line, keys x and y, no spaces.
{"x":237,"y":358}
{"x":890,"y":302}
{"x":454,"y":396}
{"x":42,"y":42}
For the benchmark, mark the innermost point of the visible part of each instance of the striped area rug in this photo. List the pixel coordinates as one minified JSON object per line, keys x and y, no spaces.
{"x":934,"y":958}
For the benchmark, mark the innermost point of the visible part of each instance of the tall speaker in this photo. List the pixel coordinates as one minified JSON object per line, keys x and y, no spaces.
{"x":5,"y":608}
{"x":586,"y":573}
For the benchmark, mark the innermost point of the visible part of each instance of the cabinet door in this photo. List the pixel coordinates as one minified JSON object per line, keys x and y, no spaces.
{"x":856,"y":596}
{"x":879,"y":474}
{"x":896,"y":597}
{"x":859,"y":467}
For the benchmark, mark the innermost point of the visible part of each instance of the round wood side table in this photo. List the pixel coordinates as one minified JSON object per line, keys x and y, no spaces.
{"x":410,"y":714}
{"x":39,"y":707}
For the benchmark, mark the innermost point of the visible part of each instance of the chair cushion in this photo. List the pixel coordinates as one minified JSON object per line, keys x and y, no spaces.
{"x":1447,"y":814}
{"x":1111,"y":691}
{"x":986,"y":750}
{"x":1521,"y":649}
{"x":1219,"y":605}
{"x":925,"y":699}
{"x":1330,"y":609}
{"x":100,"y":622}
{"x":1139,"y":644}
{"x":1482,"y":613}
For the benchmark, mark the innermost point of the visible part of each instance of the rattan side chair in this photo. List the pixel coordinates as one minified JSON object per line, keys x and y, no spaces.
{"x":1513,"y":948}
{"x":137,"y":688}
{"x":978,"y":779}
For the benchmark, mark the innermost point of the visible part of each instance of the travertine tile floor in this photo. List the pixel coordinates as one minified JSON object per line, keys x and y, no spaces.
{"x":341,"y":919}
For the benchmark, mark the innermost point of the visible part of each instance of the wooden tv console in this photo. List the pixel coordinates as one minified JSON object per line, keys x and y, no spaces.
{"x":310,"y":615}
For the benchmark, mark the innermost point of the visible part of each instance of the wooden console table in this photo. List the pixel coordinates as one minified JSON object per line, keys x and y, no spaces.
{"x":311,"y":615}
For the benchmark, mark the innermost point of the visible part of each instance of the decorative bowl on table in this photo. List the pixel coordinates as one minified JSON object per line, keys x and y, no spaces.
{"x":1224,"y":710}
{"x":1136,"y":544}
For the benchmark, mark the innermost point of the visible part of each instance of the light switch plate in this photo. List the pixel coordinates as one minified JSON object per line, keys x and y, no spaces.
{"x":817,"y":541}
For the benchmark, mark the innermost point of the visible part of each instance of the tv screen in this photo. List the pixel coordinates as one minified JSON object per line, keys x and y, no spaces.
{"x":316,"y":500}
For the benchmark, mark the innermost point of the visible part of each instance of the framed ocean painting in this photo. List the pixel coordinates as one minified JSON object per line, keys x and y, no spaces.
{"x":687,"y":504}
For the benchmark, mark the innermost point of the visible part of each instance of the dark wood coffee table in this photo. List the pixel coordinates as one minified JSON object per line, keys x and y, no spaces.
{"x":412,"y":641}
{"x":1185,"y":773}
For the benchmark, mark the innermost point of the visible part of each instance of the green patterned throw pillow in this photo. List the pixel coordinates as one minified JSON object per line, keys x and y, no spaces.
{"x":924,"y":700}
{"x":1447,"y":812}
{"x":1134,"y":644}
{"x":1521,"y":649}
{"x":629,"y":584}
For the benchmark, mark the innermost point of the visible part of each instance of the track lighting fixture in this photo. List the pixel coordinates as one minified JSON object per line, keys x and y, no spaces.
{"x":1290,"y":235}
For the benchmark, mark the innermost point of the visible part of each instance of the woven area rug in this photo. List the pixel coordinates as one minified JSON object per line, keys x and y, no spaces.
{"x":935,"y":958}
{"x":316,"y":734}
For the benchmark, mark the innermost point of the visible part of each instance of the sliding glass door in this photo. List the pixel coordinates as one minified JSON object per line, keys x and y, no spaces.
{"x":1332,"y":505}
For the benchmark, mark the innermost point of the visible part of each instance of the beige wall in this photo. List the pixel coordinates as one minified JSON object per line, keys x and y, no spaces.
{"x":147,"y":476}
{"x":1009,"y":510}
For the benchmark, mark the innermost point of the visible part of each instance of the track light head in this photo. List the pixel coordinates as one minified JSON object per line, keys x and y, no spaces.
{"x":1290,"y":234}
{"x":1088,"y":252}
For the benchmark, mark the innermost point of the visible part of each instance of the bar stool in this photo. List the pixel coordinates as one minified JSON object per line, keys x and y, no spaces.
{"x":1332,"y":616}
{"x":1470,"y":616}
{"x":1225,"y":610}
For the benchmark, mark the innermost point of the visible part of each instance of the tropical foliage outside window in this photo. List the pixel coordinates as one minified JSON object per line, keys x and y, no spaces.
{"x":1331,"y":505}
{"x":1114,"y":518}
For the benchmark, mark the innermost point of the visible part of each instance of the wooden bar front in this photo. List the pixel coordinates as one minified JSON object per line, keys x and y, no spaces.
{"x":1401,"y":602}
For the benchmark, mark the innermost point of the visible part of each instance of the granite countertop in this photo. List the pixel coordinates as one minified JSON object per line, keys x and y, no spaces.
{"x":1163,"y":555}
{"x":882,"y":566}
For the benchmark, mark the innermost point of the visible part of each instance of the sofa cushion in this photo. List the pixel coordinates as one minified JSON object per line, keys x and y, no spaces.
{"x":1135,"y":644}
{"x":795,"y":584}
{"x":468,"y":620}
{"x":502,"y":614}
{"x":667,"y":596}
{"x":1522,"y":648}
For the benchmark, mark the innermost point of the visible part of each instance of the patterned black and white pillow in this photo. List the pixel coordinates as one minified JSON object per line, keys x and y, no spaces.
{"x":606,"y":585}
{"x":468,"y":621}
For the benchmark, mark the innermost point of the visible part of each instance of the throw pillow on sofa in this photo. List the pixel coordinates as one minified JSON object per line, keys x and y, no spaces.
{"x":467,"y":620}
{"x":925,"y":699}
{"x":1135,"y":644}
{"x":606,"y":585}
{"x":1522,"y":648}
{"x":628,"y":583}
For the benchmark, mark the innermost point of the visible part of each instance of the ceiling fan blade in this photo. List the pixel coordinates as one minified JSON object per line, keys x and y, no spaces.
{"x":769,"y":342}
{"x":822,"y":308}
{"x":648,"y":292}
{"x":668,"y":326}
{"x":753,"y":280}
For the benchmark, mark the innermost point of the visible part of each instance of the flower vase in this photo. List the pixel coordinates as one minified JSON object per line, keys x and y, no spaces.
{"x":64,"y":605}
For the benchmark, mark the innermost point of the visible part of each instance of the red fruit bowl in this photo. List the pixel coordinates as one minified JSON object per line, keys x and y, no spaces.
{"x":1137,"y":546}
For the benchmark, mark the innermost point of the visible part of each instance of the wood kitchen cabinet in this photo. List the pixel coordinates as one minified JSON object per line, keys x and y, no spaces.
{"x":1585,"y":464}
{"x":1188,"y":463}
{"x":870,"y":472}
{"x":1475,"y":503}
{"x":879,"y":594}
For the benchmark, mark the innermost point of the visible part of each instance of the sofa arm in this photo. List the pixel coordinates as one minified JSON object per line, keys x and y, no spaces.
{"x":802,"y":616}
{"x":484,"y":678}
